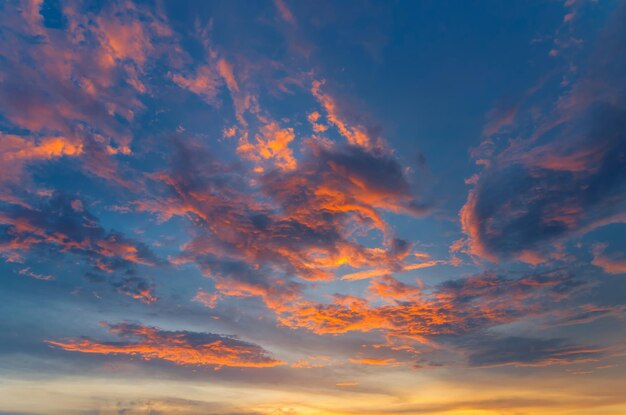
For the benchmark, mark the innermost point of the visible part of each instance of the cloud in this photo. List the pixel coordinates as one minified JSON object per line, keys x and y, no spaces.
{"x":160,"y":405}
{"x":271,"y":144}
{"x":207,"y":299}
{"x":390,"y":289}
{"x":373,"y":361}
{"x":58,"y":225}
{"x":237,"y":279}
{"x":563,"y":180}
{"x":544,"y":197}
{"x":28,"y":273}
{"x":313,"y":118}
{"x":179,"y":347}
{"x":225,"y":69}
{"x":254,"y":238}
{"x":137,"y":288}
{"x":610,"y":265}
{"x":204,"y":83}
{"x":61,"y":224}
{"x":285,"y":12}
{"x":285,"y":209}
{"x":16,"y":152}
{"x":355,"y":135}
{"x":586,"y":313}
{"x":454,"y":307}
{"x":499,"y":119}
{"x":360,"y":275}
{"x":241,"y":101}
{"x":524,"y":351}
{"x":73,"y":92}
{"x":340,"y":183}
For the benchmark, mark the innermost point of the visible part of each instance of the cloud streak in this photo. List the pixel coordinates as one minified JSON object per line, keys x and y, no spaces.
{"x":178,"y":347}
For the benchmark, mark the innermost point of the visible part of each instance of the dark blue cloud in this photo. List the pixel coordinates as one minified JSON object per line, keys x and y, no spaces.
{"x":526,"y":351}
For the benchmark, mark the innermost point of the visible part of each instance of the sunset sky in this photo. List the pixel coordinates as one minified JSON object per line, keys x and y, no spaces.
{"x":299,"y":207}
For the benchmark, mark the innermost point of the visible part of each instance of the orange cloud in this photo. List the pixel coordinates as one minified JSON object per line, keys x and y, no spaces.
{"x":609,"y":265}
{"x":313,"y":119}
{"x":124,"y":40}
{"x":207,"y":299}
{"x":276,"y":294}
{"x":82,"y":83}
{"x":204,"y":83}
{"x":16,"y":151}
{"x":15,"y":147}
{"x":133,"y":286}
{"x":115,"y":246}
{"x":145,"y":296}
{"x":454,"y":307}
{"x":414,"y":319}
{"x":391,"y":289}
{"x":471,"y":226}
{"x":312,"y":362}
{"x":271,"y":144}
{"x":373,"y":361}
{"x":554,"y":157}
{"x":356,"y":135}
{"x":241,"y":101}
{"x":292,"y":223}
{"x":346,"y":384}
{"x":229,"y":132}
{"x":530,"y":257}
{"x":225,"y":69}
{"x":178,"y":347}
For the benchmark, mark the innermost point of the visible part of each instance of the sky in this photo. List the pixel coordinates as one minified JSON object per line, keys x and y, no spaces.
{"x":312,"y":207}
